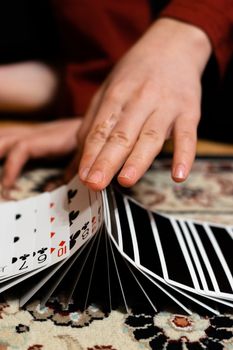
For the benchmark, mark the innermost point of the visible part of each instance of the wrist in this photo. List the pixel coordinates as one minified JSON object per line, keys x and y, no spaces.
{"x":185,"y":38}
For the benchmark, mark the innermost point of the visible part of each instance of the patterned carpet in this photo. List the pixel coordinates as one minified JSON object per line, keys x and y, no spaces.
{"x":207,"y":195}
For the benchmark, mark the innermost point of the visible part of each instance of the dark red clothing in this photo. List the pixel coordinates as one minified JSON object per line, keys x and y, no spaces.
{"x":215,"y":17}
{"x":96,"y":34}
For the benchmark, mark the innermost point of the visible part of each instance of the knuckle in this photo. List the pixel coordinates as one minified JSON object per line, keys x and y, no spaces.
{"x":22,"y":146}
{"x":114,"y":93}
{"x":87,"y":158}
{"x":187,"y":136}
{"x":185,"y":153}
{"x":151,"y":134}
{"x":138,"y":158}
{"x":146,"y":89}
{"x":99,"y":134}
{"x":194,"y":119}
{"x":191,"y":118}
{"x":120,"y":138}
{"x":105,"y":163}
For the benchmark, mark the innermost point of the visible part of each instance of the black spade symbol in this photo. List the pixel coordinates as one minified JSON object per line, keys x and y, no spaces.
{"x":71,"y":194}
{"x":17,"y":216}
{"x":73,"y":215}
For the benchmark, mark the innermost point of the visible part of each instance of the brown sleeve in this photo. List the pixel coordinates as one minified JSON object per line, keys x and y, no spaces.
{"x":214,"y":17}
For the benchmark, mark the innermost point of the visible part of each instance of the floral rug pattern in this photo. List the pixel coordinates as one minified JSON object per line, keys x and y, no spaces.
{"x":208,"y":195}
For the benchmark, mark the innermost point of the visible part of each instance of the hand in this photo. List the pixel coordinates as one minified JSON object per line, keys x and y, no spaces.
{"x":153,"y":92}
{"x":20,"y":143}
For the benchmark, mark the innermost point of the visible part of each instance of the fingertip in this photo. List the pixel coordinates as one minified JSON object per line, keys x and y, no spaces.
{"x":127,"y":176}
{"x":83,"y":173}
{"x":125,"y":182}
{"x":95,"y":187}
{"x":179,"y":173}
{"x":178,"y":180}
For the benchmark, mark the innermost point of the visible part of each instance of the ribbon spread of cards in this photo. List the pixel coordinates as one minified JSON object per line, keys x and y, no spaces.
{"x":104,"y":247}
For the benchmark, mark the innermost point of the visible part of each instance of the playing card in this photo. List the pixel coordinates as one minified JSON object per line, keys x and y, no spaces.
{"x":79,"y":214}
{"x":145,"y":236}
{"x":94,"y":202}
{"x":120,"y":231}
{"x":223,"y":270}
{"x":24,"y":235}
{"x":178,"y":266}
{"x":59,"y":219}
{"x":128,"y":248}
{"x":100,"y":208}
{"x":42,"y":232}
{"x":224,"y":238}
{"x":7,"y":229}
{"x":217,"y":272}
{"x":143,"y":243}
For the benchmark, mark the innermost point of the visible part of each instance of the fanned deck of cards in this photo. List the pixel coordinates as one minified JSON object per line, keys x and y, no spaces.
{"x":103,"y":247}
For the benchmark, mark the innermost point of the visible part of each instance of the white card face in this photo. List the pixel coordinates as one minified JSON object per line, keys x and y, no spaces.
{"x":7,"y":229}
{"x":41,"y":254}
{"x":79,"y":213}
{"x":60,"y":230}
{"x":24,"y":235}
{"x":100,"y":209}
{"x":96,"y":211}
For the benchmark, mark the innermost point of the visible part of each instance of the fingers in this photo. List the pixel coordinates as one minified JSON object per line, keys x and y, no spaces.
{"x":17,"y":158}
{"x":88,"y":121}
{"x":6,"y":143}
{"x":147,"y":147}
{"x":95,"y":141}
{"x":105,"y":120}
{"x":133,"y":143}
{"x":185,"y":140}
{"x":53,"y":140}
{"x":35,"y":147}
{"x":10,"y":135}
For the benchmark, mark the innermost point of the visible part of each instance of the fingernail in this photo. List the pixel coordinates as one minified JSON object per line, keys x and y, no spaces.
{"x":95,"y":177}
{"x":83,"y":173}
{"x":179,"y":172}
{"x":128,"y":172}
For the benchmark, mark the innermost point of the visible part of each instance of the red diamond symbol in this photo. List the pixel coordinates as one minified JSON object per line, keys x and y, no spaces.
{"x":52,"y":234}
{"x":62,"y":243}
{"x":52,"y":250}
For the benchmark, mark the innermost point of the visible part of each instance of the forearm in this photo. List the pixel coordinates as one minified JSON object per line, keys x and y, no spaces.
{"x":214,"y":17}
{"x":26,"y":86}
{"x":179,"y":36}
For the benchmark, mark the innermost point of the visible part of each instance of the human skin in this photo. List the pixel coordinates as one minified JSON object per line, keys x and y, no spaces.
{"x":26,"y":86}
{"x":153,"y":93}
{"x":18,"y":144}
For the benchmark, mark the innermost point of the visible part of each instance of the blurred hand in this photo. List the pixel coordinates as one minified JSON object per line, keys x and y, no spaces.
{"x":153,"y":92}
{"x":18,"y":144}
